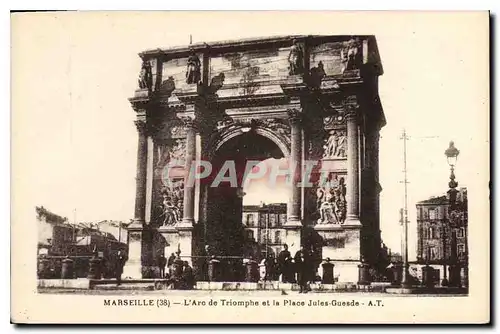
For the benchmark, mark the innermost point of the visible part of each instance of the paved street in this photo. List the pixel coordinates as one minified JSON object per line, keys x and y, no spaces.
{"x":219,"y":293}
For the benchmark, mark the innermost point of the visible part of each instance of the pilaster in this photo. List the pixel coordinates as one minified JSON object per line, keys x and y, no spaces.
{"x":353,"y":175}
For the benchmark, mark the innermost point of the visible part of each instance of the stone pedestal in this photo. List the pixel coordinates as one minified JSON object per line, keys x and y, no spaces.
{"x":133,"y":266}
{"x":214,"y":270}
{"x":171,"y":237}
{"x":364,"y":274}
{"x":455,"y":280}
{"x":43,"y":268}
{"x":397,"y":271}
{"x":252,"y":271}
{"x":95,"y":271}
{"x":428,"y":276}
{"x":341,"y":244}
{"x":67,"y":270}
{"x":185,"y":235}
{"x":328,"y":276}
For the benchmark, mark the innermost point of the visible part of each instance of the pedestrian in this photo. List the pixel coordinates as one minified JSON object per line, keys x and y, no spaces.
{"x":269,"y":264}
{"x":162,"y":262}
{"x":285,"y":264}
{"x":120,"y":262}
{"x":170,"y":263}
{"x":187,"y":277}
{"x":302,"y":264}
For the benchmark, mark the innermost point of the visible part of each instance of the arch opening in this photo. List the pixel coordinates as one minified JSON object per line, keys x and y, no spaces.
{"x":240,"y":186}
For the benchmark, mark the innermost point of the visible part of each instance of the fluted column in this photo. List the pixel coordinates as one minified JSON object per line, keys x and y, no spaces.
{"x":295,"y":117}
{"x":352,"y":169}
{"x":189,"y":188}
{"x":140,"y":183}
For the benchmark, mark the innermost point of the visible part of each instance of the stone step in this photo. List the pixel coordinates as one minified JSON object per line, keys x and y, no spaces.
{"x":160,"y":284}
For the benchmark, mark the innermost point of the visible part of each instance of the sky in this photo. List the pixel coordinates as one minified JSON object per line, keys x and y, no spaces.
{"x":75,"y":142}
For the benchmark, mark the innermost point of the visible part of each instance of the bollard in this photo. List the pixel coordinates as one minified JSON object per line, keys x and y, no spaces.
{"x":455,"y":280}
{"x":328,"y":276}
{"x":43,"y":268}
{"x":252,"y":271}
{"x":67,"y":270}
{"x":363,"y":274}
{"x":397,"y":271}
{"x":214,"y":270}
{"x":428,"y":276}
{"x":94,"y":268}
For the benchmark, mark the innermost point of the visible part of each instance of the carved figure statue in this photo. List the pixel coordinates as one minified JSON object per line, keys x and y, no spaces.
{"x":340,"y":201}
{"x":171,"y":212}
{"x":168,"y":86}
{"x":225,"y":122}
{"x":145,"y":76}
{"x":317,"y":75}
{"x":295,"y":59}
{"x":351,"y":56}
{"x":177,"y":153}
{"x":335,"y":145}
{"x":173,"y":156}
{"x":326,"y":209}
{"x":193,"y":75}
{"x":332,"y":202}
{"x":217,"y":82}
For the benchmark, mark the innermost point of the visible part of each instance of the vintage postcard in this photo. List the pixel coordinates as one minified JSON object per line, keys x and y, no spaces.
{"x":250,"y":167}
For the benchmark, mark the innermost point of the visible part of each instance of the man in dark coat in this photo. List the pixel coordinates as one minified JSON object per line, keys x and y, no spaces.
{"x":120,"y":262}
{"x":285,"y":265}
{"x":270,"y":267}
{"x":162,"y":262}
{"x":302,"y":265}
{"x":187,"y":277}
{"x":170,"y":263}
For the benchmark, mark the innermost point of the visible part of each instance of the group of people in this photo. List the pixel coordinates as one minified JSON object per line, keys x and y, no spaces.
{"x":180,"y":273}
{"x":297,"y":269}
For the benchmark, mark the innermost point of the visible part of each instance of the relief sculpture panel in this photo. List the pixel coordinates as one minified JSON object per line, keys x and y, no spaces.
{"x":168,"y":182}
{"x":170,"y":209}
{"x":331,"y":200}
{"x":335,"y":144}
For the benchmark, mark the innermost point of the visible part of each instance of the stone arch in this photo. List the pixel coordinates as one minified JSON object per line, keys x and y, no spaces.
{"x":233,"y":131}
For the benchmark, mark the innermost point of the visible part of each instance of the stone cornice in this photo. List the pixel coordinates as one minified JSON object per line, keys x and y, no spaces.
{"x":245,"y":44}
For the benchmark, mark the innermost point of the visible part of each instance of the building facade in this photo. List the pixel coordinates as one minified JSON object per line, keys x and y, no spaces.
{"x":442,"y":232}
{"x":264,"y":224}
{"x":53,"y":231}
{"x":302,"y":98}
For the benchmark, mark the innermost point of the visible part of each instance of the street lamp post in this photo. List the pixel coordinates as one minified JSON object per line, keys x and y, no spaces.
{"x":451,"y":154}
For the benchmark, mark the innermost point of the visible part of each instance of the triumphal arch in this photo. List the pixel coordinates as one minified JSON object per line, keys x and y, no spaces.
{"x":312,"y":100}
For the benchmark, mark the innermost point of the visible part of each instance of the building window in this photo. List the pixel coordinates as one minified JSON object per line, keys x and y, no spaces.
{"x":272,"y":219}
{"x":277,"y":237}
{"x":282,"y":218}
{"x":432,"y":214}
{"x":431,"y":233}
{"x":432,"y":253}
{"x":263,"y":238}
{"x":461,"y":232}
{"x":250,"y":219}
{"x":250,"y":235}
{"x":461,"y":249}
{"x":262,"y":220}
